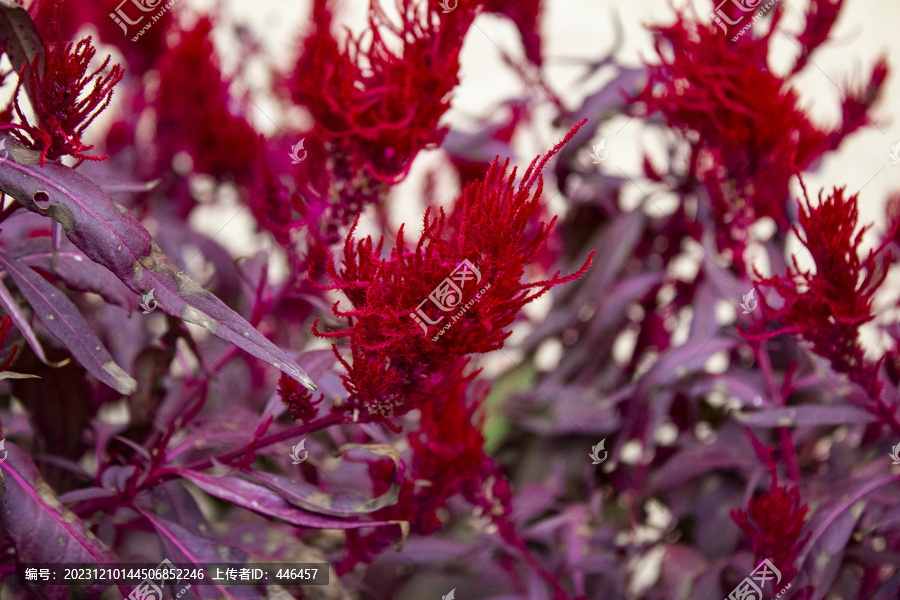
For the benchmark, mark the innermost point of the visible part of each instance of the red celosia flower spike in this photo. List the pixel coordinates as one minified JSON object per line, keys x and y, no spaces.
{"x":63,"y":99}
{"x":828,"y":307}
{"x":482,"y":251}
{"x":774,"y":532}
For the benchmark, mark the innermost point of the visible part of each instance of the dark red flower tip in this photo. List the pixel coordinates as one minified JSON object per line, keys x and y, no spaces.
{"x":526,"y":15}
{"x":774,"y":523}
{"x":66,"y":97}
{"x":820,"y":18}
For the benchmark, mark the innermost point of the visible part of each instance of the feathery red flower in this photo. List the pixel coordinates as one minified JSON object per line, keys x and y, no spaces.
{"x":379,"y":106}
{"x":65,"y":97}
{"x":746,"y":147}
{"x":468,"y":269}
{"x":828,"y":307}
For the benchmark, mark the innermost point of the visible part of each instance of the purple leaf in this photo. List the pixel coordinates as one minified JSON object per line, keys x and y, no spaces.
{"x":21,"y":321}
{"x":18,"y":34}
{"x":690,"y":355}
{"x":182,"y":546}
{"x":76,"y":272}
{"x":265,"y":501}
{"x":825,"y":517}
{"x":805,"y":416}
{"x":90,"y":493}
{"x":38,"y":525}
{"x":110,"y":235}
{"x":64,"y":321}
{"x":696,"y":461}
{"x":309,"y":497}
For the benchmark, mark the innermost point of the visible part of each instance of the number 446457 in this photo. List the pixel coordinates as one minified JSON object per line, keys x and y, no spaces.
{"x":296,"y":573}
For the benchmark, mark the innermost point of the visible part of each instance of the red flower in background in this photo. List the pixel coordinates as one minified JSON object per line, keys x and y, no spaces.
{"x":193,"y":112}
{"x":391,"y":357}
{"x":65,"y":97}
{"x":746,"y":146}
{"x":828,"y":307}
{"x":378,"y":106}
{"x":774,"y":524}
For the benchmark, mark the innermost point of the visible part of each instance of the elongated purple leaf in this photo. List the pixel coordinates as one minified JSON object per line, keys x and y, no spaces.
{"x":685,"y":358}
{"x":21,"y":322}
{"x":268,"y":502}
{"x":76,"y":271}
{"x":64,"y":321}
{"x":110,"y":235}
{"x":32,"y":516}
{"x":309,"y":497}
{"x":182,"y":546}
{"x":805,"y":416}
{"x":694,"y":462}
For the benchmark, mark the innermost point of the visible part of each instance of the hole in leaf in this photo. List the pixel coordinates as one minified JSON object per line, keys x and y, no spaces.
{"x":42,"y":199}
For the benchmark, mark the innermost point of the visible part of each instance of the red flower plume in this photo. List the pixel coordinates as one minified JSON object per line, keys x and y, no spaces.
{"x":774,"y":531}
{"x":378,"y":105}
{"x":469,"y":266}
{"x":66,"y":97}
{"x":828,"y":307}
{"x":746,"y":146}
